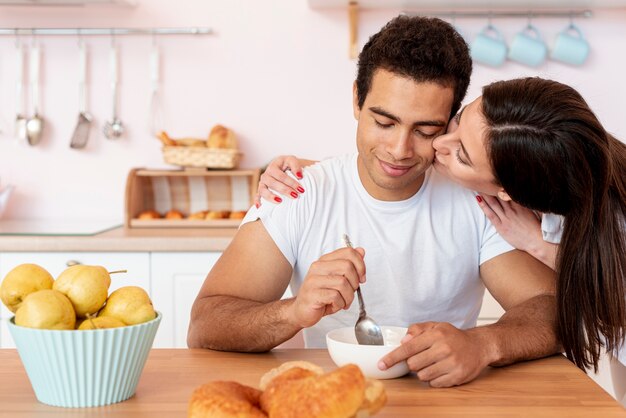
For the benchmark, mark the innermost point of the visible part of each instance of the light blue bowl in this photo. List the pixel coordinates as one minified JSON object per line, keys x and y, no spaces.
{"x":84,"y":368}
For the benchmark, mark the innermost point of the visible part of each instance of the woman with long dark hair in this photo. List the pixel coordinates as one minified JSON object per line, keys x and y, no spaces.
{"x":537,"y":155}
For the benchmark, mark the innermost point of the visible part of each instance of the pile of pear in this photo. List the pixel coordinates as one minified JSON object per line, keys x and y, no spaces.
{"x":78,"y":299}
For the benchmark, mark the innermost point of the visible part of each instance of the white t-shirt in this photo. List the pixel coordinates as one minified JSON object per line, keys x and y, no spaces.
{"x":422,"y":255}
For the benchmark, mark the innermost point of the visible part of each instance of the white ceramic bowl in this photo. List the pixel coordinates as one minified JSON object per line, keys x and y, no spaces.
{"x":344,"y":349}
{"x":84,"y":368}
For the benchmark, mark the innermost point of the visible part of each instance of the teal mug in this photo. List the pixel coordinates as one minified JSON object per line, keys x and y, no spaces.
{"x":489,"y":47}
{"x":570,"y":47}
{"x":528,"y":48}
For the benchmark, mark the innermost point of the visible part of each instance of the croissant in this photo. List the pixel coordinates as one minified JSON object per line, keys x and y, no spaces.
{"x":300,"y":393}
{"x":296,"y":389}
{"x":225,"y":400}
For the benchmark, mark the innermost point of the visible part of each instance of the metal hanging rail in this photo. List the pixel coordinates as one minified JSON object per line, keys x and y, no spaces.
{"x":505,"y":13}
{"x":103,"y":31}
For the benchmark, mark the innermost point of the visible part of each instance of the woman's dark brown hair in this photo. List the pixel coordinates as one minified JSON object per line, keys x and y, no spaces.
{"x":551,"y":154}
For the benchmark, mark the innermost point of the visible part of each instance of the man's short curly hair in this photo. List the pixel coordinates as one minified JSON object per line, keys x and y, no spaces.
{"x":424,"y":49}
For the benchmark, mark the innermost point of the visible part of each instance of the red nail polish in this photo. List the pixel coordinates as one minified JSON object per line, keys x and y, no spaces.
{"x":257,"y":205}
{"x":294,"y":194}
{"x":278,"y":199}
{"x":300,"y":189}
{"x":479,"y":199}
{"x":299,"y":174}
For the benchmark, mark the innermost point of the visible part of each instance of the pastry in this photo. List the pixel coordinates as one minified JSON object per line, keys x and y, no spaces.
{"x":198,"y":215}
{"x":174,"y":214}
{"x":165,"y":139}
{"x":237,"y":214}
{"x":338,"y":394}
{"x":294,"y":389}
{"x":221,"y":137}
{"x":225,"y":400}
{"x":375,"y":398}
{"x":191,"y":142}
{"x":149,"y":214}
{"x":275,"y":372}
{"x":217,"y":214}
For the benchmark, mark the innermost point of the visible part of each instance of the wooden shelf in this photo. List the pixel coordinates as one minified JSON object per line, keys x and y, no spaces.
{"x":472,"y":8}
{"x":79,"y":3}
{"x":214,"y":194}
{"x":485,"y":5}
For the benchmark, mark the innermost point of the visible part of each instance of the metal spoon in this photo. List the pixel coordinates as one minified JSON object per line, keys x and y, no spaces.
{"x":114,"y":129}
{"x":20,"y":119}
{"x":35,"y":124}
{"x":366,"y":329}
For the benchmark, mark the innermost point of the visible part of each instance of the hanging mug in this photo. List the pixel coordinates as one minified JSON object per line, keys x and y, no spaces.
{"x":528,"y":48}
{"x":489,"y":47}
{"x":570,"y":46}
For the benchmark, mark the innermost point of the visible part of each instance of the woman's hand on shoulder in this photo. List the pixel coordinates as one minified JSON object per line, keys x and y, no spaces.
{"x":518,"y":225}
{"x":276,"y":178}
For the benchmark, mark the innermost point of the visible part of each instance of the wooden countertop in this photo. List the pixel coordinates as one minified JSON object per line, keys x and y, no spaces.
{"x":126,"y":240}
{"x":551,"y":387}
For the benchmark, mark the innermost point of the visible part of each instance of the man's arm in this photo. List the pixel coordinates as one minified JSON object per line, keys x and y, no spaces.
{"x":238,"y":307}
{"x":446,"y":356}
{"x":525,"y":288}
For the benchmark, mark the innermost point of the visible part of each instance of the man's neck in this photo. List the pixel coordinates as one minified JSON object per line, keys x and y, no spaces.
{"x":387,"y":194}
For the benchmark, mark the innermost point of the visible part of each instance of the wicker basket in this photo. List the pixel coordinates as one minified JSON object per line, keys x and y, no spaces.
{"x":201,"y":157}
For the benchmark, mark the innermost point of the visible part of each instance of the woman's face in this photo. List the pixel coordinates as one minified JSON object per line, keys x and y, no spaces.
{"x":461,"y":154}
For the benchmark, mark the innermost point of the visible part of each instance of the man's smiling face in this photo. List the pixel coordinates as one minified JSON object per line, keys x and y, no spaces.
{"x":397,"y":123}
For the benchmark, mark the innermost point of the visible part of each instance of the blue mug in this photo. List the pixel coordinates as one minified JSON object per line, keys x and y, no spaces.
{"x":528,"y":48}
{"x":489,"y":47}
{"x":570,"y":46}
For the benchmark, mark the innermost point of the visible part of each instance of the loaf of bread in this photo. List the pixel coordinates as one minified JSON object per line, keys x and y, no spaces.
{"x":217,"y":214}
{"x":237,"y":214}
{"x":174,"y":214}
{"x":294,"y":389}
{"x":149,"y":214}
{"x":221,"y":137}
{"x":198,"y":215}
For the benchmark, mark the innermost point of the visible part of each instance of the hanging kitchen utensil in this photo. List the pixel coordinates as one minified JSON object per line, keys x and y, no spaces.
{"x":81,"y":131}
{"x":155,"y":122}
{"x":20,"y":115}
{"x":35,"y":124}
{"x":114,"y":129}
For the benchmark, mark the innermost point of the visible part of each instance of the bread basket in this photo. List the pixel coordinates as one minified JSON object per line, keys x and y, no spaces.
{"x":223,"y":158}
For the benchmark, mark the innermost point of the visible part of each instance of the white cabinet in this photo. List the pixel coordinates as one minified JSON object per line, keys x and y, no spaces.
{"x":176,"y":280}
{"x":137,"y":265}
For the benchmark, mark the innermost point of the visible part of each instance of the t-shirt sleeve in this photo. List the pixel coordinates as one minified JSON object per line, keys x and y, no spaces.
{"x":552,"y":228}
{"x":493,"y":244}
{"x":284,"y":221}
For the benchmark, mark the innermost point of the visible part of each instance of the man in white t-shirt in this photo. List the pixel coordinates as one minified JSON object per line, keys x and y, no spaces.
{"x":426,"y":251}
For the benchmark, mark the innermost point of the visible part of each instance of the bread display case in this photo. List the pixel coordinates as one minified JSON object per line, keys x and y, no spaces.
{"x":188,"y":198}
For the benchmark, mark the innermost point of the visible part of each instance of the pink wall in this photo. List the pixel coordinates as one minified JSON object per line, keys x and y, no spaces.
{"x":276,"y":72}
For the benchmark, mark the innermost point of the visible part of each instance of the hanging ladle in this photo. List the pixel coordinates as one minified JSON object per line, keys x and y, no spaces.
{"x":113,"y":129}
{"x":35,"y":124}
{"x":81,"y":131}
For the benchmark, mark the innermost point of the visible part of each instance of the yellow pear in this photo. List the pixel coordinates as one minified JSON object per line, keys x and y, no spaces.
{"x":129,"y":304}
{"x":87,"y":287}
{"x":46,"y":309}
{"x":101,"y":322}
{"x":21,"y":281}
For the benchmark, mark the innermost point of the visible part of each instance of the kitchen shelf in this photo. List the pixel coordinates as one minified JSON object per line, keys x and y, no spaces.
{"x":215,"y":193}
{"x":103,"y":31}
{"x":484,"y":5}
{"x":71,"y":3}
{"x":464,"y":8}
